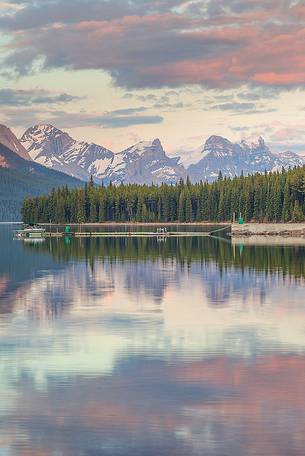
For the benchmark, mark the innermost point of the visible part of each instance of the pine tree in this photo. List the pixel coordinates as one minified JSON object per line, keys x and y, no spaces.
{"x":188,"y":208}
{"x":221,"y":207}
{"x":181,"y":207}
{"x":297,"y":214}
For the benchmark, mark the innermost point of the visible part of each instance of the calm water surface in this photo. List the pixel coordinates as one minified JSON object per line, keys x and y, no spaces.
{"x":144,"y":347}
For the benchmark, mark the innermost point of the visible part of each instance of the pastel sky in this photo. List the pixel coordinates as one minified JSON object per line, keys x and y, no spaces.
{"x":118,"y":71}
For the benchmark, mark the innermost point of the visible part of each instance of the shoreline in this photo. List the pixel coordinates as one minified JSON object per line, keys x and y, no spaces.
{"x":285,"y":230}
{"x":247,"y":233}
{"x":246,"y":230}
{"x":267,"y":241}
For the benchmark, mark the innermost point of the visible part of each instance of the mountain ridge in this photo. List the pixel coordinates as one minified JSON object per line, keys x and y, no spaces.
{"x":146,"y":162}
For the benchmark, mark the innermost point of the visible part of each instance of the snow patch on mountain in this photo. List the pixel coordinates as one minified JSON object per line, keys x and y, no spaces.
{"x":190,"y":156}
{"x":287,"y":160}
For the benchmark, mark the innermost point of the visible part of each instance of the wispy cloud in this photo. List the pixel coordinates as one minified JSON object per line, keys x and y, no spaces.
{"x":241,"y":108}
{"x":11,"y":97}
{"x":123,"y":118}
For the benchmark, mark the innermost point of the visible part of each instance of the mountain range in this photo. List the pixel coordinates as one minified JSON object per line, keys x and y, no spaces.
{"x":146,"y":162}
{"x":47,"y":157}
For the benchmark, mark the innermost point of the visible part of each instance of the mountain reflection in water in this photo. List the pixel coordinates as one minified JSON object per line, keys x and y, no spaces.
{"x":132,"y":346}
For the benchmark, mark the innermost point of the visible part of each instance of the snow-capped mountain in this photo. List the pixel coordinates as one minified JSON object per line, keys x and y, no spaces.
{"x":233,"y":159}
{"x":55,"y":149}
{"x":145,"y":162}
{"x":9,"y":140}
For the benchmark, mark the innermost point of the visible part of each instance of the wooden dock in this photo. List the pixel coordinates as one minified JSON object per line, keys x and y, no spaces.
{"x":112,"y":234}
{"x":142,"y":234}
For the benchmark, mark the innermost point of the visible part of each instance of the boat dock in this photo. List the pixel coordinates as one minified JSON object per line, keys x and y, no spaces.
{"x":116,"y":234}
{"x":129,"y":234}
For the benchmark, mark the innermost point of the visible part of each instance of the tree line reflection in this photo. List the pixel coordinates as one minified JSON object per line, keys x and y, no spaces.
{"x":287,"y":261}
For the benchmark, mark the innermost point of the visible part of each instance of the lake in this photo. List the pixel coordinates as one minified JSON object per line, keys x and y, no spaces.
{"x":151,"y":347}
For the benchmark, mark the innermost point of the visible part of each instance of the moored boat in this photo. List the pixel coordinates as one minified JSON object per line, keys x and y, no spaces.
{"x":30,"y":232}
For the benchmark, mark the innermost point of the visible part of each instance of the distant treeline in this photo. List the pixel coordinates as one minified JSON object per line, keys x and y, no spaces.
{"x":271,"y":197}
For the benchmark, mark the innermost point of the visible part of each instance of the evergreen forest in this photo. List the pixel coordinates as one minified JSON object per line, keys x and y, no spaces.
{"x":268,"y":197}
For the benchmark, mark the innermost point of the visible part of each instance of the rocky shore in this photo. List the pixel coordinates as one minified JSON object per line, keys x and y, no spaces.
{"x":269,"y":229}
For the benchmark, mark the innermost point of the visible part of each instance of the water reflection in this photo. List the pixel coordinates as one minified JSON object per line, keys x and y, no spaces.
{"x":213,"y":407}
{"x":134,"y":347}
{"x":147,"y":268}
{"x":288,"y":260}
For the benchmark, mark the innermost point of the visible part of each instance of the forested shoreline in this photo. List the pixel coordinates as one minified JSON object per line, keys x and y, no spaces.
{"x":269,"y":197}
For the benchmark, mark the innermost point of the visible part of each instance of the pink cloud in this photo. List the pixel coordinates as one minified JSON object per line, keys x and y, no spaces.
{"x":164,"y":49}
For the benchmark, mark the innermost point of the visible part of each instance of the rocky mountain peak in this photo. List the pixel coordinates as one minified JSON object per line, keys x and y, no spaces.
{"x":145,"y":162}
{"x":42,"y":132}
{"x":219,"y":146}
{"x":215,"y":142}
{"x":45,"y":138}
{"x":56,"y":149}
{"x":157,"y":143}
{"x":145,"y":147}
{"x":46,"y":128}
{"x":9,"y":140}
{"x":260,"y":145}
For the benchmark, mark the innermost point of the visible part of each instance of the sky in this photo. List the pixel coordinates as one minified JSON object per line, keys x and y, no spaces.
{"x":119,"y":71}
